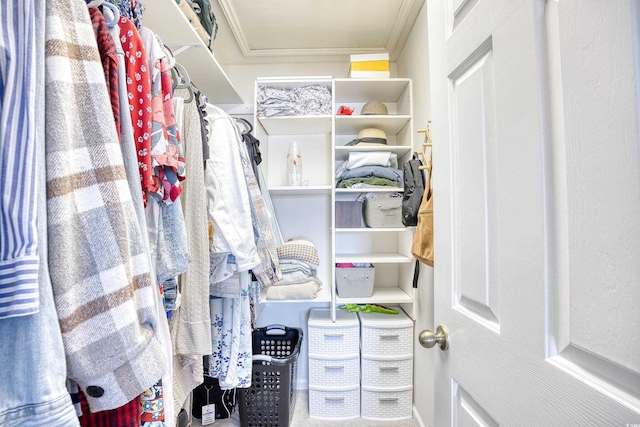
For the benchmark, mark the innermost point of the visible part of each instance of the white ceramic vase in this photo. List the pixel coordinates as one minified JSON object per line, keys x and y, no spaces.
{"x":294,"y":164}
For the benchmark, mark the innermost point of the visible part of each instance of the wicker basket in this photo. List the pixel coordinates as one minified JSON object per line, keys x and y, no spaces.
{"x":355,"y":282}
{"x":383,"y":212}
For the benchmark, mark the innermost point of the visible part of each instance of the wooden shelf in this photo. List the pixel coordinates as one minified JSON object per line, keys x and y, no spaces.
{"x":351,"y":125}
{"x":296,"y":125}
{"x":165,"y":18}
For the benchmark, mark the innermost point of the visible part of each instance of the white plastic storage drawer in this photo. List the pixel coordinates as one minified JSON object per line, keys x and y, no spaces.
{"x":386,"y":334}
{"x":339,"y":339}
{"x":385,"y":404}
{"x":389,"y":373}
{"x":334,"y":372}
{"x":335,"y":404}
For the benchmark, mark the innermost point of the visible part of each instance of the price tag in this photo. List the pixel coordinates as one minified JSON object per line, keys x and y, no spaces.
{"x":208,"y":414}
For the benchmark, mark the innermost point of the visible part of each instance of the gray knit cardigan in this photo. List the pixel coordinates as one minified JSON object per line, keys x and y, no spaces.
{"x":99,"y":269}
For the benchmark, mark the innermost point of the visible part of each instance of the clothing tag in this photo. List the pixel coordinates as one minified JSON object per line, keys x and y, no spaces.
{"x":208,"y":414}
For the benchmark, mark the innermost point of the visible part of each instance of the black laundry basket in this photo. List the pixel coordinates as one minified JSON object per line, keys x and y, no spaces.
{"x":270,"y":400}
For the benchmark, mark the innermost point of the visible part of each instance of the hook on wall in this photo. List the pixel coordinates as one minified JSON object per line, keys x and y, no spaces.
{"x":428,"y":142}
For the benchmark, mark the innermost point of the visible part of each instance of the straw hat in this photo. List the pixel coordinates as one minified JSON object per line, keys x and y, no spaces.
{"x":371,"y":136}
{"x":374,"y":108}
{"x":372,"y":133}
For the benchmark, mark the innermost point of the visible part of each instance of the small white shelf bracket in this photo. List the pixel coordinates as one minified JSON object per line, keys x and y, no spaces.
{"x":177,"y":49}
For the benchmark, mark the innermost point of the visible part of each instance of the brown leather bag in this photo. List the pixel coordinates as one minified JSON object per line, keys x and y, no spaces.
{"x":422,"y":247}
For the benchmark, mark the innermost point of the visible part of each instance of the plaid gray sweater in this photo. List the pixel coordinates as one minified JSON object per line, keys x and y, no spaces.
{"x":99,"y":270}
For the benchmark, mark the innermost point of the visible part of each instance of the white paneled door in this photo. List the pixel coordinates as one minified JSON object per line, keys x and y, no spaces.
{"x":537,"y":211}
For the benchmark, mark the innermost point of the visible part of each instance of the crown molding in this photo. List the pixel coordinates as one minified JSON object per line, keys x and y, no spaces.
{"x":396,"y":39}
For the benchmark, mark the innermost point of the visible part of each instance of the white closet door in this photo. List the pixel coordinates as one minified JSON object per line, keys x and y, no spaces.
{"x":537,"y":211}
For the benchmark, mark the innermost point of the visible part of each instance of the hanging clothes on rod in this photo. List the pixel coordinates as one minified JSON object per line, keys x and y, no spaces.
{"x":253,"y":148}
{"x":98,"y":330}
{"x":33,"y":389}
{"x":191,"y":321}
{"x":133,"y":234}
{"x":236,"y":208}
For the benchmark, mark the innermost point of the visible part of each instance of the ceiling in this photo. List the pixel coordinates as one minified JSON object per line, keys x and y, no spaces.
{"x":268,"y":31}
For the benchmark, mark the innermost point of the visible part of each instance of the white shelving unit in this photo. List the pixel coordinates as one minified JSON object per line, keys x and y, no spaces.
{"x":166,"y":19}
{"x":301,"y":210}
{"x":309,"y":210}
{"x":388,"y":249}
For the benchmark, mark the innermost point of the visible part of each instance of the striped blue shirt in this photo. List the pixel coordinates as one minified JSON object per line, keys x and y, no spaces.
{"x":19,"y":260}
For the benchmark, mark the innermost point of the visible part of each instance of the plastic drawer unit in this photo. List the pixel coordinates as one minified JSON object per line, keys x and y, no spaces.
{"x":334,"y":365}
{"x":387,"y":366}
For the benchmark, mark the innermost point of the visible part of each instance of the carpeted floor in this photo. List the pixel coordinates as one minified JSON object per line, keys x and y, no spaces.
{"x":301,"y":418}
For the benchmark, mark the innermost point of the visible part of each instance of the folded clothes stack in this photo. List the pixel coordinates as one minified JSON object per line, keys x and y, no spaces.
{"x":312,"y":100}
{"x":299,"y":265}
{"x":369,"y":169}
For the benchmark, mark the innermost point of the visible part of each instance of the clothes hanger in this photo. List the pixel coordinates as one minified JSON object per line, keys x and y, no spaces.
{"x":185,"y":81}
{"x":171,"y":58}
{"x":182,"y":80}
{"x":244,"y":124}
{"x":191,"y":96}
{"x":110,"y":6}
{"x":116,"y":13}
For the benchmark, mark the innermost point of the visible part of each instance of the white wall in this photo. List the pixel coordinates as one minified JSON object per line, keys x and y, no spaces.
{"x":414,"y":63}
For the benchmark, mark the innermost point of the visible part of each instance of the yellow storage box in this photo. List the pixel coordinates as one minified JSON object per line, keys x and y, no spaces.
{"x":369,"y":66}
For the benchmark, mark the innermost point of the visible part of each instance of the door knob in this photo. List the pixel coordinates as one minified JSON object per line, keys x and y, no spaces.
{"x":428,"y":339}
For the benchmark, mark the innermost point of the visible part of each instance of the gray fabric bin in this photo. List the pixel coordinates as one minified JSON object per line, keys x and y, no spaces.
{"x":355,"y":282}
{"x":383,"y":212}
